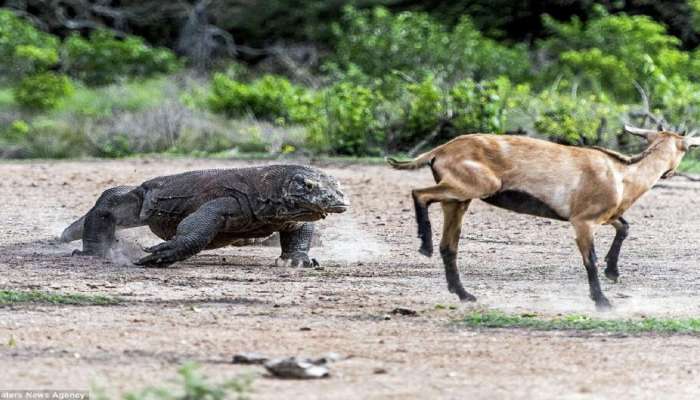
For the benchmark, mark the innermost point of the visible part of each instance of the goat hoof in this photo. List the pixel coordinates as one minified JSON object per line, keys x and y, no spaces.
{"x":603,"y":304}
{"x":426,"y":251}
{"x":612,"y":274}
{"x":463,"y":295}
{"x":466,"y":297}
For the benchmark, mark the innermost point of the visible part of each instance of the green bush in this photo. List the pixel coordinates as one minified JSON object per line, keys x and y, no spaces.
{"x":23,"y":48}
{"x":44,"y":138}
{"x":379,"y":43}
{"x":426,"y":106}
{"x":589,"y":120}
{"x":42,"y":91}
{"x":609,"y":52}
{"x":350,"y":123}
{"x":17,"y":131}
{"x":271,"y":98}
{"x":105,"y":101}
{"x":481,"y":106}
{"x":103,"y":58}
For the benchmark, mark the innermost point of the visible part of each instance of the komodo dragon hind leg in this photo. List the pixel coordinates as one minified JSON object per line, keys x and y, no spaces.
{"x":117,"y":207}
{"x":295,"y":245}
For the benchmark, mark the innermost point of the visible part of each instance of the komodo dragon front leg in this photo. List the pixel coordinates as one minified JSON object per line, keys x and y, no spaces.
{"x":194,"y":233}
{"x":295,"y":243}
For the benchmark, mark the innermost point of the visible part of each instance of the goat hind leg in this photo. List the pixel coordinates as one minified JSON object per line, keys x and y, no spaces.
{"x":452,"y":227}
{"x":422,"y":199}
{"x":622,"y":228}
{"x":584,"y":240}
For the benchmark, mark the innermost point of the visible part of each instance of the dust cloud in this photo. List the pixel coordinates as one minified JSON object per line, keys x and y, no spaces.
{"x":344,"y":241}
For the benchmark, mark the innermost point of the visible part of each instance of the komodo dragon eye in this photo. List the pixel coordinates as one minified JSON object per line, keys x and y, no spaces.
{"x":309,"y":185}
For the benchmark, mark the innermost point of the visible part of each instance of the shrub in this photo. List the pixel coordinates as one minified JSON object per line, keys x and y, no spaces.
{"x":17,"y":131}
{"x":132,"y":95}
{"x":45,"y":138}
{"x":481,"y":106}
{"x":350,"y":123}
{"x":103,"y":58}
{"x":609,"y":52}
{"x":379,"y":43}
{"x":566,"y":119}
{"x":42,"y":91}
{"x":23,"y":48}
{"x":426,"y":106}
{"x":270,"y":97}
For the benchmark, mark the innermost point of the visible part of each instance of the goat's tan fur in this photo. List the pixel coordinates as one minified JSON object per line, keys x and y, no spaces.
{"x":586,"y":186}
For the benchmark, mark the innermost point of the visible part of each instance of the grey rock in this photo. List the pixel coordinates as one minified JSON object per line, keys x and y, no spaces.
{"x":250,"y":358}
{"x":296,"y":368}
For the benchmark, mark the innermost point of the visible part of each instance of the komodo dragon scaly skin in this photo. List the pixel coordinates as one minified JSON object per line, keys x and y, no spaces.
{"x":199,"y":210}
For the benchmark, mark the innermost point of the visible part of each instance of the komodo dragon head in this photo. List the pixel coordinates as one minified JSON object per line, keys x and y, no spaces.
{"x":314,"y":194}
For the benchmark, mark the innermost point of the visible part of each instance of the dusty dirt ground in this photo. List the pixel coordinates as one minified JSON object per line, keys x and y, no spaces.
{"x":227,"y":301}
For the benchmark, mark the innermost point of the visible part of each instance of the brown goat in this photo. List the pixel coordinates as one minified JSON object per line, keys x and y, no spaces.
{"x":585,"y":186}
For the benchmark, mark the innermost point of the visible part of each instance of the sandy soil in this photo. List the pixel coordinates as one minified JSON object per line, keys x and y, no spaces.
{"x":227,"y":301}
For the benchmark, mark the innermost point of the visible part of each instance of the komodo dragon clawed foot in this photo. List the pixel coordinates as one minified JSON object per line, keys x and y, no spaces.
{"x":162,"y":255}
{"x":296,"y":259}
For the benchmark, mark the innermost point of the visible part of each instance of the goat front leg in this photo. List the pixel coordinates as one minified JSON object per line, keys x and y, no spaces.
{"x":622,"y":229}
{"x":452,"y":228}
{"x":584,"y":240}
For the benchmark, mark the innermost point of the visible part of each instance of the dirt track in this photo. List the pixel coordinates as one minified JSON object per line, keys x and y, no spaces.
{"x":230,"y":300}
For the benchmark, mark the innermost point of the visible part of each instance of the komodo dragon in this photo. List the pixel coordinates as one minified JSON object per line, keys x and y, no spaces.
{"x":208,"y":209}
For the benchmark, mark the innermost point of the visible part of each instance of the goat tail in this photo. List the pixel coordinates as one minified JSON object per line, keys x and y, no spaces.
{"x":421,"y":161}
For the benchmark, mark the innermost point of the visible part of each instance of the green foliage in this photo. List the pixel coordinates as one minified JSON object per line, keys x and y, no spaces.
{"x":566,"y":119}
{"x":609,"y":52}
{"x":20,"y":297}
{"x":194,"y":386}
{"x":103,"y":58}
{"x":378,"y":43}
{"x":690,"y":165}
{"x":350,"y":121}
{"x":105,"y":101}
{"x":271,"y":98}
{"x":482,"y":106}
{"x":426,"y":105}
{"x":23,"y":48}
{"x":45,"y":138}
{"x":17,"y":131}
{"x":42,"y":91}
{"x":497,"y":319}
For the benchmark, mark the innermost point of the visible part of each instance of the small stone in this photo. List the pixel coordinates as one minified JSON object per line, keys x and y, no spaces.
{"x":296,"y":368}
{"x":380,"y":371}
{"x":387,"y":317}
{"x":304,"y":329}
{"x":249,"y":358}
{"x":404,"y":311}
{"x":327,"y":358}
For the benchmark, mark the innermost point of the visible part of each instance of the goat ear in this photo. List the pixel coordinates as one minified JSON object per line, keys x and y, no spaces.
{"x":648,"y":134}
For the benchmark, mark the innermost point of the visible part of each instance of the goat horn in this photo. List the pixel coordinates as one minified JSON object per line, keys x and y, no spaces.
{"x":639,"y":131}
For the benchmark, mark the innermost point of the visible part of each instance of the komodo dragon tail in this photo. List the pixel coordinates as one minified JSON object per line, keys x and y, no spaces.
{"x":74,"y":231}
{"x":421,"y":161}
